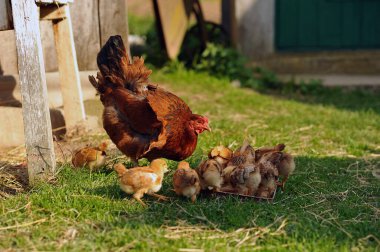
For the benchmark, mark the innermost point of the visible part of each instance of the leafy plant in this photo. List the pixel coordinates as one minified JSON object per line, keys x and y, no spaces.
{"x":227,"y":62}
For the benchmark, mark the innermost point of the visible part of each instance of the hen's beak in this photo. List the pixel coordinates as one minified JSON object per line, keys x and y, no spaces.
{"x":208,"y":128}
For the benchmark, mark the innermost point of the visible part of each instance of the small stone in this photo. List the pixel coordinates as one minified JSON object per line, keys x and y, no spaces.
{"x":236,"y":83}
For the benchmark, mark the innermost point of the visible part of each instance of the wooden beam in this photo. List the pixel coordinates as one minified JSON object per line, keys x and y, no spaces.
{"x":37,"y":125}
{"x":52,"y":12}
{"x":68,"y":71}
{"x":53,"y":1}
{"x":5,"y":15}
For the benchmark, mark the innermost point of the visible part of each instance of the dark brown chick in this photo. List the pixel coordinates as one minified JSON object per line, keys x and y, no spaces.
{"x":269,"y":173}
{"x":186,"y":181}
{"x":244,"y":155}
{"x":221,"y":154}
{"x":263,"y":150}
{"x":210,"y":175}
{"x":246,"y":179}
{"x":91,"y":157}
{"x":285,"y":168}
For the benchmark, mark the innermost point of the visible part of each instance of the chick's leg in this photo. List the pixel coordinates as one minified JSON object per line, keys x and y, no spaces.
{"x":160,"y":197}
{"x":193,"y":198}
{"x":282,"y":183}
{"x":138,"y":195}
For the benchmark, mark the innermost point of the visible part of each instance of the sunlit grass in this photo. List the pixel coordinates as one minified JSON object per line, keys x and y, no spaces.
{"x":330,"y":203}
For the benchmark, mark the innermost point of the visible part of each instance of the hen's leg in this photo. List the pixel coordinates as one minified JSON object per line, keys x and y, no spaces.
{"x":135,"y":162}
{"x":160,"y":197}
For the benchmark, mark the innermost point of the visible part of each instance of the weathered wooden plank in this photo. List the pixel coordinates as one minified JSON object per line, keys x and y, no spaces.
{"x":113,"y":20}
{"x":5,"y":15}
{"x":68,"y":71}
{"x":53,"y":1}
{"x":52,"y":12}
{"x":37,"y":126}
{"x":86,"y":32}
{"x":173,"y":21}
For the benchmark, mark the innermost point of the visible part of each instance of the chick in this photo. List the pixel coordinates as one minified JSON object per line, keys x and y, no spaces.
{"x":186,"y":181}
{"x":141,"y":180}
{"x":210,"y":175}
{"x":226,"y":174}
{"x":246,"y":179}
{"x":221,"y":154}
{"x":269,"y":173}
{"x":259,"y":153}
{"x":91,"y":157}
{"x":267,"y":186}
{"x":285,"y":168}
{"x":244,"y":155}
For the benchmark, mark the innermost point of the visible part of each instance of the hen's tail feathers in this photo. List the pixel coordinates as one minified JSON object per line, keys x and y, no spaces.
{"x":115,"y":69}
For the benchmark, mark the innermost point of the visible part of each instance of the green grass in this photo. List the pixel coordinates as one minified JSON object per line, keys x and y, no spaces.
{"x":331,"y":203}
{"x":140,"y":25}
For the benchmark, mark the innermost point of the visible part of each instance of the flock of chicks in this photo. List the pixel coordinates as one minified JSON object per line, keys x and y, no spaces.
{"x":245,"y":171}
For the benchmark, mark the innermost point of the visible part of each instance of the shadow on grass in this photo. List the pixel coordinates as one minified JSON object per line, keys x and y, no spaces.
{"x":326,"y":197}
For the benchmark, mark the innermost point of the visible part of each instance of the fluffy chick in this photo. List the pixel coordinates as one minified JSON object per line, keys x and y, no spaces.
{"x":244,"y":155}
{"x":246,"y":179}
{"x":221,"y":154}
{"x":259,"y":153}
{"x":210,"y":175}
{"x":285,"y":168}
{"x":91,"y":157}
{"x":186,"y":181}
{"x":269,"y":173}
{"x":142,"y":180}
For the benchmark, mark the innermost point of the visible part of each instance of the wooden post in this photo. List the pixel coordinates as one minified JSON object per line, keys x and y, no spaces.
{"x":37,"y":125}
{"x":113,"y":19}
{"x":68,"y":70}
{"x":229,"y":20}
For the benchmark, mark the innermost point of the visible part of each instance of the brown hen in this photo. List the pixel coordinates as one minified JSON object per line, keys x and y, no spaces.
{"x":142,"y":119}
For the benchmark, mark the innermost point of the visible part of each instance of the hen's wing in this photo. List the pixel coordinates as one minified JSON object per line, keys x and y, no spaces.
{"x":172,"y":112}
{"x":136,"y":110}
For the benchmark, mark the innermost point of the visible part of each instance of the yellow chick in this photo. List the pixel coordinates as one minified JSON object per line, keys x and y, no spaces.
{"x":186,"y":181}
{"x":142,"y":180}
{"x":91,"y":157}
{"x":210,"y":175}
{"x":221,"y":154}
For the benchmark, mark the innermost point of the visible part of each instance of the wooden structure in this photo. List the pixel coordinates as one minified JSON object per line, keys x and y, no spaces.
{"x":24,"y":16}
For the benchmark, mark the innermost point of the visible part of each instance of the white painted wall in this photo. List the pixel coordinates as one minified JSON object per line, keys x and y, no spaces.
{"x":255,"y":24}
